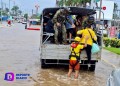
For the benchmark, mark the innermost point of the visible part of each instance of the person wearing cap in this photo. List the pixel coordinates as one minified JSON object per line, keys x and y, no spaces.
{"x":74,"y":57}
{"x":88,"y":35}
{"x":59,"y":19}
{"x":47,"y":17}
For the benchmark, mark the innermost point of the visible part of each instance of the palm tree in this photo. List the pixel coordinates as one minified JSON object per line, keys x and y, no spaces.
{"x":7,"y":10}
{"x":15,"y":10}
{"x":19,"y":12}
{"x":26,"y":16}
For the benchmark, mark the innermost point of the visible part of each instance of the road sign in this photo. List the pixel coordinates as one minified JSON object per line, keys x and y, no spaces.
{"x":104,"y":8}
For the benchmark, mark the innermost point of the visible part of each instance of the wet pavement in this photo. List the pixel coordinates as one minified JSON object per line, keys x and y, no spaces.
{"x":19,"y":53}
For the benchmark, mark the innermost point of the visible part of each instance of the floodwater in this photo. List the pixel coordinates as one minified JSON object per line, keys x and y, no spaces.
{"x":19,"y":53}
{"x":58,"y":77}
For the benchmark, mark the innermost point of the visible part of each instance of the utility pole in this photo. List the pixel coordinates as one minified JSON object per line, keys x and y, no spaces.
{"x":14,"y":6}
{"x":14,"y":2}
{"x":100,"y":9}
{"x":5,"y":6}
{"x":37,"y":7}
{"x":32,"y":11}
{"x":9,"y":7}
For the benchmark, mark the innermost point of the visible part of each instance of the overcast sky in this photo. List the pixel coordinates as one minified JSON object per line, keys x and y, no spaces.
{"x":27,"y":5}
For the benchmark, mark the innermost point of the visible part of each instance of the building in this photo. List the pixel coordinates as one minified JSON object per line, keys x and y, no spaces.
{"x":108,"y":11}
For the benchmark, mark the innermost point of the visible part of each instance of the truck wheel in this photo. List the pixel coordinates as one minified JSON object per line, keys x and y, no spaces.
{"x":43,"y":65}
{"x":92,"y":68}
{"x":84,"y":67}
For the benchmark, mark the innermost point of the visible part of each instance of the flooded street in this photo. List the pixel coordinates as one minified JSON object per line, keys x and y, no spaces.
{"x":19,"y":53}
{"x":58,"y":77}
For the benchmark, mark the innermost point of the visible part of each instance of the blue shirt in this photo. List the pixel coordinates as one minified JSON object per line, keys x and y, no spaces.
{"x":68,"y":25}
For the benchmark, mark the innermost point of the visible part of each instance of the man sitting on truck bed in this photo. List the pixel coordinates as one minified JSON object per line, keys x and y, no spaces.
{"x":59,"y":19}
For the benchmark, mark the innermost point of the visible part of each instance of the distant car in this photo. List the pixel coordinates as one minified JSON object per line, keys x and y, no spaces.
{"x":102,"y":28}
{"x":33,"y":24}
{"x":24,"y":22}
{"x":19,"y":21}
{"x":104,"y":31}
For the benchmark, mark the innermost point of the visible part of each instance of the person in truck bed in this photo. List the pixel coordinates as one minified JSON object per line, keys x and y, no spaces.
{"x":59,"y":19}
{"x":91,"y":37}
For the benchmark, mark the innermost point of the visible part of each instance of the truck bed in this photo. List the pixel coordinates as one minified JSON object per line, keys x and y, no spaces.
{"x":62,"y":52}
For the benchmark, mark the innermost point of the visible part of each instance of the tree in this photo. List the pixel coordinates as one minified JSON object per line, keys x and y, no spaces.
{"x":73,"y":2}
{"x":26,"y":16}
{"x":19,"y":12}
{"x":4,"y":12}
{"x":34,"y":16}
{"x":7,"y":10}
{"x":15,"y":10}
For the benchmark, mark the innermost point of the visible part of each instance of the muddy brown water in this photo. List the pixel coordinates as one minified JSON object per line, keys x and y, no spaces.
{"x":19,"y":53}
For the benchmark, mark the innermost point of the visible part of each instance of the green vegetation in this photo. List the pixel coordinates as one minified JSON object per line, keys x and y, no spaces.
{"x":5,"y":11}
{"x":114,"y":50}
{"x":106,"y":41}
{"x":73,"y":2}
{"x":113,"y":42}
{"x":34,"y":16}
{"x":14,"y":11}
{"x":26,"y":16}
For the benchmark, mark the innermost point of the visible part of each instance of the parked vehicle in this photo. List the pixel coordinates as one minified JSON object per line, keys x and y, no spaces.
{"x":24,"y":22}
{"x":102,"y":30}
{"x":52,"y":54}
{"x":19,"y":21}
{"x":33,"y":24}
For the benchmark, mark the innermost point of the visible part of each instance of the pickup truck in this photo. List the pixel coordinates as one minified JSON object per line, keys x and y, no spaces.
{"x":52,"y":54}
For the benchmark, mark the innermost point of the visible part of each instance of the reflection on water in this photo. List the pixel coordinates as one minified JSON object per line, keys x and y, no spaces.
{"x":58,"y":77}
